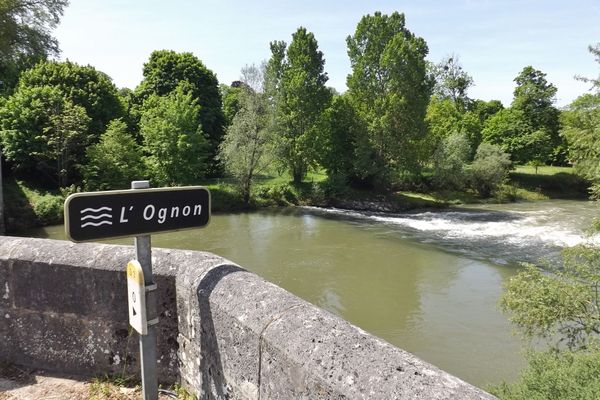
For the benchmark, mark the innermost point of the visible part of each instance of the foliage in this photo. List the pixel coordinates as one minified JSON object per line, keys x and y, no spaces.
{"x":390,"y":88}
{"x":489,"y":169}
{"x":450,"y":161}
{"x":165,"y":70}
{"x":42,"y":131}
{"x":508,"y":129}
{"x":83,"y":85}
{"x":231,"y":105}
{"x":115,"y":161}
{"x":595,"y":50}
{"x":245,"y":149}
{"x":452,"y":82}
{"x":534,"y":97}
{"x":346,"y":152}
{"x":296,"y":85}
{"x":563,"y":306}
{"x":581,"y":127}
{"x":27,"y":206}
{"x":25,"y":36}
{"x":556,"y":375}
{"x":175,"y":143}
{"x":442,"y":119}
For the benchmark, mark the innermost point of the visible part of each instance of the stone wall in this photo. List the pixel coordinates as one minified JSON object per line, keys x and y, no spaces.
{"x":224,"y":332}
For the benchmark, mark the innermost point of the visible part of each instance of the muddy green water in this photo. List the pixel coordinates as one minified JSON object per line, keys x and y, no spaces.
{"x":427,"y":282}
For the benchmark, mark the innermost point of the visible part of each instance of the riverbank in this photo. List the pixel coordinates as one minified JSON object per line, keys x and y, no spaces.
{"x":28,"y":207}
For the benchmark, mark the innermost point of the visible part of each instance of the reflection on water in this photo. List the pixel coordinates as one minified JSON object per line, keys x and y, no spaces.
{"x":426,"y":282}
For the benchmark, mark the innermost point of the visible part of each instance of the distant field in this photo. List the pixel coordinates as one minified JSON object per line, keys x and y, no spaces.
{"x":552,"y":182}
{"x":543,"y":170}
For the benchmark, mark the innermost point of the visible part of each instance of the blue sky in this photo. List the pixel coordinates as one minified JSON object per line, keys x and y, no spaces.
{"x":494,"y":40}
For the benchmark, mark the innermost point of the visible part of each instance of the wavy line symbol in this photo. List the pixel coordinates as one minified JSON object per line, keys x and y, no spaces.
{"x":96,"y":223}
{"x":92,"y":214}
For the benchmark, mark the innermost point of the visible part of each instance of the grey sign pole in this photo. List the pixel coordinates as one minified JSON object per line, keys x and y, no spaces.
{"x":143,"y":253}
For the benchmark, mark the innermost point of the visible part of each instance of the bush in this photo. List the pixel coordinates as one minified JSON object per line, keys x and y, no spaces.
{"x":450,"y":159}
{"x":552,"y":375}
{"x":282,"y":194}
{"x":489,"y":169}
{"x":49,"y":209}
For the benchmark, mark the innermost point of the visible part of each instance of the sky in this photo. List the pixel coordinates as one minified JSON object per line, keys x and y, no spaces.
{"x":493,"y":39}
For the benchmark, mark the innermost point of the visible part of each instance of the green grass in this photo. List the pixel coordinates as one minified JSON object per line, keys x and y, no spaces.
{"x":26,"y":206}
{"x":550,"y":182}
{"x":543,"y":170}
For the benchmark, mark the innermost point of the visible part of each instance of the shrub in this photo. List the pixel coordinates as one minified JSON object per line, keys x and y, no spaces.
{"x":489,"y":169}
{"x":450,"y":159}
{"x":552,"y":375}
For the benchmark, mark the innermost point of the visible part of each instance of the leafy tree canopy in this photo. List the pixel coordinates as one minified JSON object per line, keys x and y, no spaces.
{"x":83,"y":85}
{"x":25,"y":35}
{"x":247,"y":147}
{"x":452,"y":82}
{"x":535,"y":97}
{"x":173,"y":139}
{"x":43,"y":132}
{"x":166,"y":69}
{"x":115,"y":161}
{"x":296,"y":85}
{"x":390,"y":87}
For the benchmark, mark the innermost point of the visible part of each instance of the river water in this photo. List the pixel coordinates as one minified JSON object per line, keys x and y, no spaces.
{"x":427,"y":282}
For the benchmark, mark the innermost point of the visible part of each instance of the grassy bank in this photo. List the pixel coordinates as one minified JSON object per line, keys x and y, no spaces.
{"x":27,"y":206}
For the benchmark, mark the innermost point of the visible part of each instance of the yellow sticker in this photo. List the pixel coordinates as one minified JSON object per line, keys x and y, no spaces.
{"x":135,"y":272}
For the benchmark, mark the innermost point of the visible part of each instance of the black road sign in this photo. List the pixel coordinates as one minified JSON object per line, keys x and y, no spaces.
{"x":120,"y":213}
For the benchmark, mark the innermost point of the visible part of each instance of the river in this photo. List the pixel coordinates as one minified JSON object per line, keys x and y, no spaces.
{"x":427,"y":282}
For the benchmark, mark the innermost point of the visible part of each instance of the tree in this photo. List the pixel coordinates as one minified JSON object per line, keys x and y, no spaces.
{"x":562,"y":307}
{"x":534,"y":97}
{"x":165,"y":70}
{"x":25,"y":36}
{"x":595,"y":50}
{"x":174,"y":141}
{"x":245,"y":149}
{"x":297,"y":87}
{"x":581,"y":128}
{"x":346,"y":151}
{"x":390,"y":88}
{"x":83,"y":86}
{"x":555,"y":375}
{"x":450,"y":162}
{"x":44,"y":132}
{"x":489,"y":169}
{"x":508,"y":129}
{"x":443,"y":119}
{"x":452,"y":82}
{"x":230,"y":96}
{"x":115,"y":161}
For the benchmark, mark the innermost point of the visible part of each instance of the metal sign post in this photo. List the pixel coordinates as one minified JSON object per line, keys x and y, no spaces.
{"x":138,"y":212}
{"x":143,"y":253}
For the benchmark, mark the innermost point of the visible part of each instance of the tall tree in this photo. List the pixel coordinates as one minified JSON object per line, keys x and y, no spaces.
{"x":346,"y":152}
{"x":390,"y":87}
{"x":452,"y":82}
{"x":83,"y":85}
{"x":25,"y":35}
{"x":300,"y":96}
{"x":245,"y":149}
{"x":43,"y":133}
{"x":534,"y":96}
{"x":115,"y":161}
{"x":174,"y":141}
{"x":165,"y":70}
